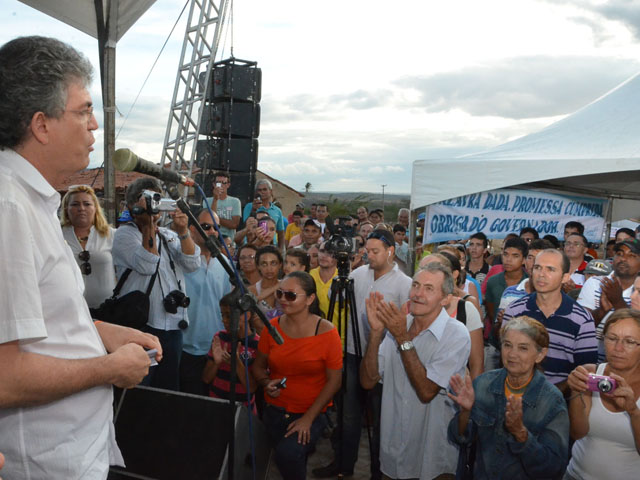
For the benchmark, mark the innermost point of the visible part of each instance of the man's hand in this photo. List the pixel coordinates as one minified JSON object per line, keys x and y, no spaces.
{"x":613,"y":290}
{"x":180,"y":221}
{"x":129,"y":364}
{"x":115,"y":336}
{"x":271,"y":389}
{"x":393,"y":318}
{"x":372,"y":304}
{"x":568,"y":286}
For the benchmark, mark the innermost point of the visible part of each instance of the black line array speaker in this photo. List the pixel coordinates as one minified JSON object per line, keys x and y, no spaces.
{"x":231,"y":123}
{"x":170,"y":435}
{"x":233,"y":155}
{"x":237,"y":119}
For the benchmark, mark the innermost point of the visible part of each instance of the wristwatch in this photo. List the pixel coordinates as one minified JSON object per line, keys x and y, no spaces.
{"x":406,"y":346}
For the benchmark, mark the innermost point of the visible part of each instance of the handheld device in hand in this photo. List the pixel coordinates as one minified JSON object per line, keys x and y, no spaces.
{"x":263,"y":225}
{"x":282,"y":384}
{"x":601,"y":383}
{"x":152,"y":356}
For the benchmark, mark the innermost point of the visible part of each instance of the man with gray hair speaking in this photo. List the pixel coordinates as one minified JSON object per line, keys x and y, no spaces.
{"x":57,"y":366}
{"x":264,"y":190}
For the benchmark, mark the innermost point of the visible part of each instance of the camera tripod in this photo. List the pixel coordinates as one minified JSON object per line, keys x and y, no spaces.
{"x":342,"y":292}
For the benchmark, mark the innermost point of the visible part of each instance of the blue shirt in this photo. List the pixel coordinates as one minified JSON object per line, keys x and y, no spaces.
{"x":499,"y":456}
{"x":273,"y":211}
{"x":205,"y":287}
{"x":572,"y":334}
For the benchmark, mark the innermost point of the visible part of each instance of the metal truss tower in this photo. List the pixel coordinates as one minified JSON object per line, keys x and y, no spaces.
{"x":202,"y":36}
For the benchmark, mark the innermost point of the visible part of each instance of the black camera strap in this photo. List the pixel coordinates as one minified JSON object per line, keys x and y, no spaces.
{"x":126,"y":273}
{"x":171,"y":264}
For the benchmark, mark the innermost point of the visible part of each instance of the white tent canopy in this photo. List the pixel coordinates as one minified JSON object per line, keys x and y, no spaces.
{"x":595,"y":151}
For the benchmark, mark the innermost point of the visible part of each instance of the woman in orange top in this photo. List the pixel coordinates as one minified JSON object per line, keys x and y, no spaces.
{"x":309,"y":363}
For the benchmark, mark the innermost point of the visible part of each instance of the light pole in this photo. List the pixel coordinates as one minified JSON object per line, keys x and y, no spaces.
{"x":383,"y":197}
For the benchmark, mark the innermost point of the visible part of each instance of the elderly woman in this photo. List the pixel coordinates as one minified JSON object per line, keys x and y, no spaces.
{"x":299,"y":377}
{"x":90,"y":237}
{"x":606,"y":422}
{"x":518,"y":419}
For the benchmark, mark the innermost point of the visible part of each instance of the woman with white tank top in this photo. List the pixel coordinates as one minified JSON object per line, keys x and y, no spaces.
{"x":606,"y":426}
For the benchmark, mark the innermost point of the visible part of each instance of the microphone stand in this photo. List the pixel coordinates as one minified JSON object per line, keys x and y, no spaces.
{"x":242,"y":302}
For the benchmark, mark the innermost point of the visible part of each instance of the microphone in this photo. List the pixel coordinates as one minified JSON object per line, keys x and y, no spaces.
{"x":126,"y":161}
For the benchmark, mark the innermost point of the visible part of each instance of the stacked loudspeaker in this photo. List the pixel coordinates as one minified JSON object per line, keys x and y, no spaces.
{"x":231,"y":123}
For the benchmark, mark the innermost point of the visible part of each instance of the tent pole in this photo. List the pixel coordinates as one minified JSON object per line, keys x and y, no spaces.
{"x":607,"y":227}
{"x":412,"y":242}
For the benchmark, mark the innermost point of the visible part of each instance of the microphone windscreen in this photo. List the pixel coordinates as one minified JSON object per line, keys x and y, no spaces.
{"x":124,"y":160}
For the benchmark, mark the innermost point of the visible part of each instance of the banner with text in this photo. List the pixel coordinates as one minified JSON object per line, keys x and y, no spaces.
{"x":500,"y":212}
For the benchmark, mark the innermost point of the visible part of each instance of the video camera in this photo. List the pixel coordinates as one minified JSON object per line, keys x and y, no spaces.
{"x":154,"y":204}
{"x":341,"y":241}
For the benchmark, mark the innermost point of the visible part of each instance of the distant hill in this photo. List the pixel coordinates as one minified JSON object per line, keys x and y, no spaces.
{"x":372,"y":200}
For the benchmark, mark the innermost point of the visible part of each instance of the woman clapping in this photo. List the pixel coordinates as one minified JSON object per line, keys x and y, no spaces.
{"x":518,"y":419}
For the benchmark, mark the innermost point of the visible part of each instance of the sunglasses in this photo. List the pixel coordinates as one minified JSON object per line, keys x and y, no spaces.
{"x":85,"y":267}
{"x":206,"y":226}
{"x":288,"y":295}
{"x":378,"y":235}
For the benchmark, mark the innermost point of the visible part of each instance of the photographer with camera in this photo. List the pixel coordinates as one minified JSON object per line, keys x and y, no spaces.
{"x":159,"y":255}
{"x":605,"y":405}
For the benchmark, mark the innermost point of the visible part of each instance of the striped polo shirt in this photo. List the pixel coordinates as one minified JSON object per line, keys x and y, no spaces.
{"x":572,"y":335}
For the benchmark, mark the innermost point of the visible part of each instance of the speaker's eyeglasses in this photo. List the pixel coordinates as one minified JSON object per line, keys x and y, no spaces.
{"x":85,"y":267}
{"x":206,"y":226}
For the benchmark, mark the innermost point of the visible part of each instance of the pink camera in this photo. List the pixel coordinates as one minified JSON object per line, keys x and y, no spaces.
{"x":601,"y":383}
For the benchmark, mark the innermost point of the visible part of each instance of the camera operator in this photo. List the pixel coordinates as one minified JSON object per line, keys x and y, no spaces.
{"x":380,"y":275}
{"x":143,"y":247}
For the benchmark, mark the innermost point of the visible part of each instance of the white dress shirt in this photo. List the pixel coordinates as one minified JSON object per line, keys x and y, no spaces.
{"x":43,"y":308}
{"x":413,"y":435}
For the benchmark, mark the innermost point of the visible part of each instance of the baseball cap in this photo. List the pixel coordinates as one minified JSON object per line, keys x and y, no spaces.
{"x":311,"y":221}
{"x":598,"y":267}
{"x":421,"y":216}
{"x":633,"y":245}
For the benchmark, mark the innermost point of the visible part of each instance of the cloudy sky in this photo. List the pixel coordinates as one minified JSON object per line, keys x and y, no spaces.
{"x":355,"y":90}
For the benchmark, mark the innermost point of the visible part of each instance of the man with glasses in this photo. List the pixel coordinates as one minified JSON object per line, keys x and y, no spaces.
{"x":56,"y":414}
{"x":603,"y":295}
{"x":572,"y":339}
{"x":575,"y":246}
{"x":206,"y":287}
{"x":227,"y":207}
{"x":380,"y":275}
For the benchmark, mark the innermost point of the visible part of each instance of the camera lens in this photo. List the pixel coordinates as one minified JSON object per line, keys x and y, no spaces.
{"x":604,"y":385}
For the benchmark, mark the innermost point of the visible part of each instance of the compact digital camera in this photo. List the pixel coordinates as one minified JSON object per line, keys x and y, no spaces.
{"x":601,"y":383}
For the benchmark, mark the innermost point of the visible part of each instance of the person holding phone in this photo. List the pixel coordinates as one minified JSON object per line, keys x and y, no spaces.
{"x":227,"y":207}
{"x":311,"y":360}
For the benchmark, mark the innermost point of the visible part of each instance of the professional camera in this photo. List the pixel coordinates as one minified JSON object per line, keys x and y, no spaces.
{"x":175,"y":299}
{"x":152,"y":203}
{"x":342,"y":239}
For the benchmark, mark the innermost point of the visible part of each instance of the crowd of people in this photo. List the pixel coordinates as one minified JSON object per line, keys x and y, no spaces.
{"x":522,"y":364}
